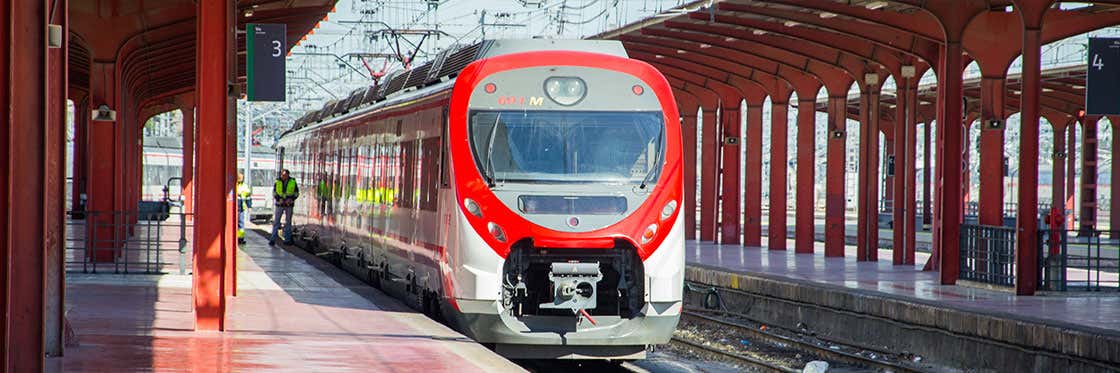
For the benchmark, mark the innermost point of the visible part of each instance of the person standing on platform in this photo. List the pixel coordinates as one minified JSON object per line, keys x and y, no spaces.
{"x":244,"y":203}
{"x":285,"y":194}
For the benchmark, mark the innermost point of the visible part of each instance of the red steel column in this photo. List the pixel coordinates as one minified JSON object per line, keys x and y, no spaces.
{"x":911,"y":226}
{"x":55,"y":180}
{"x":1026,"y":266}
{"x":29,"y":149}
{"x":1089,"y":174}
{"x":779,"y":161}
{"x":1058,"y":179}
{"x":752,"y":232}
{"x":862,"y":183}
{"x":869,"y":173}
{"x":873,"y":172}
{"x":80,"y":152}
{"x":229,"y":249}
{"x":213,"y":109}
{"x":806,"y":168}
{"x":729,"y":172}
{"x":889,"y":139}
{"x":709,"y":155}
{"x":834,"y":177}
{"x":688,"y":126}
{"x":992,"y":108}
{"x":927,"y":170}
{"x":1071,"y":174}
{"x":103,"y":145}
{"x":1114,"y":195}
{"x":899,"y":204}
{"x":950,"y":130}
{"x":188,"y":161}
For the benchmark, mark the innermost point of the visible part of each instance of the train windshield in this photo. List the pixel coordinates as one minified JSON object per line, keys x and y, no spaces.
{"x":568,"y":146}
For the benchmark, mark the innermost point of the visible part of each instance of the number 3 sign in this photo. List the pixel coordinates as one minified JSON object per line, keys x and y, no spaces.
{"x":265,"y":62}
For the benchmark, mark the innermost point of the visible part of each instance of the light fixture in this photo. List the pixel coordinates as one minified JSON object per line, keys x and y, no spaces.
{"x":54,"y":36}
{"x":702,"y":45}
{"x":248,"y":13}
{"x":496,"y":231}
{"x":104,"y":114}
{"x":791,"y":23}
{"x":871,"y":78}
{"x":759,"y":32}
{"x":827,"y":15}
{"x":668,"y":210}
{"x":874,"y":5}
{"x":472,"y":207}
{"x":681,"y":51}
{"x":909,"y":71}
{"x":566,"y":91}
{"x":650,"y":232}
{"x":729,"y":39}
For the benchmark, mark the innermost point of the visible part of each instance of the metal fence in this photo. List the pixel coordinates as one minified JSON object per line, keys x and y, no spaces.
{"x":143,"y":241}
{"x":988,"y":254}
{"x":1081,"y":261}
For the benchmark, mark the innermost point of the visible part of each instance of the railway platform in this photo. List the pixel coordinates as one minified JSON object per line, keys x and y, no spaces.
{"x":292,"y":312}
{"x":902,"y":308}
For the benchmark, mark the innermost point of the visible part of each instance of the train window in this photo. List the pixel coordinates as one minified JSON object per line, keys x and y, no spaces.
{"x":409,"y":188}
{"x":429,"y":173}
{"x":568,"y":146}
{"x":444,"y":177}
{"x":261,"y":178}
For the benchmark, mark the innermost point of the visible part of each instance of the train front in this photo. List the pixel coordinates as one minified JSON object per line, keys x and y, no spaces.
{"x":568,"y":234}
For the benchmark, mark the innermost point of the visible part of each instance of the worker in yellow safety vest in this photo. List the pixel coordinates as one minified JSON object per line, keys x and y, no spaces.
{"x":284,"y":194}
{"x":244,"y":203}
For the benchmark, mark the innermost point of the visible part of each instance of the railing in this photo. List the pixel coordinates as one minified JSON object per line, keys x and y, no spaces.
{"x":988,"y":254}
{"x":1081,"y":261}
{"x":129,"y":242}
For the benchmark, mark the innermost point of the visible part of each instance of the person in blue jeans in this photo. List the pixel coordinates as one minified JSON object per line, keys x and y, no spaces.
{"x":284,"y":194}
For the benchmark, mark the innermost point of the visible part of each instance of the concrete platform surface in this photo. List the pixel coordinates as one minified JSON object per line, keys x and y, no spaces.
{"x":901,"y":308}
{"x":292,"y":313}
{"x":908,"y":281}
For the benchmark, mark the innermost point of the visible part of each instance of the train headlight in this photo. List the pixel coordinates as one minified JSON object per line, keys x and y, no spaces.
{"x":647,"y":236}
{"x":496,"y":231}
{"x":668,"y":210}
{"x":566,"y":91}
{"x":472,"y":207}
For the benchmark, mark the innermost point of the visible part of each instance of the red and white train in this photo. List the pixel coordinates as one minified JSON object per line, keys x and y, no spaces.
{"x":528,"y":192}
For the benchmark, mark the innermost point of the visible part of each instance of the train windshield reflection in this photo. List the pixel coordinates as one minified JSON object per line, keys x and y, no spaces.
{"x":568,"y":146}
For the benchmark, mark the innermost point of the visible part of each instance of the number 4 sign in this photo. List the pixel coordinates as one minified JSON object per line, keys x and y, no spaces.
{"x":1102,"y":79}
{"x":265,"y":63}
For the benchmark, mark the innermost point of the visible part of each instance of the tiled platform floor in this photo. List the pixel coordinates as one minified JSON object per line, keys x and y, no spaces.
{"x":1096,"y":311}
{"x":289,"y":315}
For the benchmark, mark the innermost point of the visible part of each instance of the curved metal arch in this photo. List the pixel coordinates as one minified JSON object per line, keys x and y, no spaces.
{"x":801,"y":80}
{"x":733,"y":77}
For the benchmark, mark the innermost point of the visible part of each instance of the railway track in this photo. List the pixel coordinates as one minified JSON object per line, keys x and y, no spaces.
{"x":732,"y":357}
{"x":826,"y":353}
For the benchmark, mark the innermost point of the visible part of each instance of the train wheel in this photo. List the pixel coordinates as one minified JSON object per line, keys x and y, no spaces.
{"x":434,"y":307}
{"x":375,"y":279}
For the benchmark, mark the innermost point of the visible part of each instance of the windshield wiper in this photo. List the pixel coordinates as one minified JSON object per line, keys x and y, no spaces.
{"x":489,"y":172}
{"x":656,"y":161}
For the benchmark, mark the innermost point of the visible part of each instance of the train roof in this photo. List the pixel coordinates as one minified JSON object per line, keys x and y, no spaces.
{"x":444,"y":67}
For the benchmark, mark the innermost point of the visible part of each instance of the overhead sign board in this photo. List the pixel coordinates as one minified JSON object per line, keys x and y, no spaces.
{"x":1102,"y":81}
{"x":265,"y":62}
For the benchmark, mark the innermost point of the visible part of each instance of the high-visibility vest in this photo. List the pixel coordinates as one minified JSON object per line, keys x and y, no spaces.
{"x":243,"y":190}
{"x":286,"y":191}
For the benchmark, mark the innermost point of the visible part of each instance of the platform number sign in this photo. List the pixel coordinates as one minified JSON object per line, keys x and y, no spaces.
{"x":266,"y":46}
{"x":1102,"y":81}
